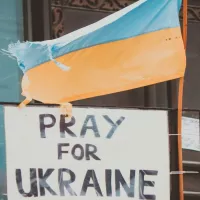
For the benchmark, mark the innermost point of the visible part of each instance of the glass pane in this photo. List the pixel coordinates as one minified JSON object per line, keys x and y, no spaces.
{"x":11,"y":23}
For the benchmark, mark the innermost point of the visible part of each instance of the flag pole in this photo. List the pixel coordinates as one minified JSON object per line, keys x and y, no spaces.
{"x":180,"y":104}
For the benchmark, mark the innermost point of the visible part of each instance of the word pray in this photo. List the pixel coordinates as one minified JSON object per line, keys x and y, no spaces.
{"x":65,"y":126}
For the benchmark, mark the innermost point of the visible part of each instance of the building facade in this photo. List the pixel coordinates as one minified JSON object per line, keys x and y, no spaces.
{"x":47,"y":19}
{"x":60,"y":17}
{"x":38,"y":20}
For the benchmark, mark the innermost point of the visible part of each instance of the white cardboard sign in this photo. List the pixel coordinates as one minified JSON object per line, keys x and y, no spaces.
{"x":99,"y":153}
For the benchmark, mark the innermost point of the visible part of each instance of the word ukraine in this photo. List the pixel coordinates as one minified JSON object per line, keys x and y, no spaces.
{"x":114,"y":183}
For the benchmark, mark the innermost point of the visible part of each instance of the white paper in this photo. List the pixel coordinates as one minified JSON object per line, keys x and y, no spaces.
{"x":190,"y":134}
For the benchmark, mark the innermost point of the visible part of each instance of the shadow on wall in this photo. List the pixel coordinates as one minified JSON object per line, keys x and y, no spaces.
{"x":192,"y":76}
{"x":3,"y":185}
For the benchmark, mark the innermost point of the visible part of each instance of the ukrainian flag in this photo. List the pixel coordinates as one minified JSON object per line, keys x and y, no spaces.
{"x":137,"y":46}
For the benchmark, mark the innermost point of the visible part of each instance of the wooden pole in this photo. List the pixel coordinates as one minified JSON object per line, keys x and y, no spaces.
{"x":180,"y":105}
{"x":180,"y":154}
{"x":185,"y":25}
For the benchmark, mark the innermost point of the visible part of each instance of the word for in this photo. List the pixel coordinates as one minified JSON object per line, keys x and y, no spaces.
{"x":90,"y":181}
{"x":65,"y":126}
{"x":87,"y":152}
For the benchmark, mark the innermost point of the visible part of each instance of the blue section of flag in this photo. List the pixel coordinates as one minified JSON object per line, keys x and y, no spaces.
{"x":153,"y":15}
{"x":149,"y":16}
